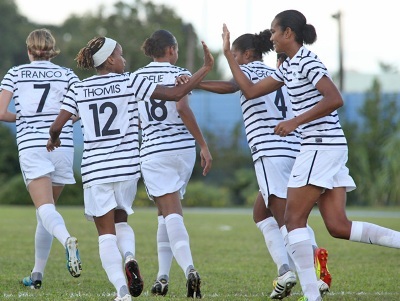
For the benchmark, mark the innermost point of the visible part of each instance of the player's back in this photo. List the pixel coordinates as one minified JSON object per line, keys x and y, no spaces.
{"x":38,"y":90}
{"x":163,"y":131}
{"x":262,"y":114}
{"x":108,"y":112}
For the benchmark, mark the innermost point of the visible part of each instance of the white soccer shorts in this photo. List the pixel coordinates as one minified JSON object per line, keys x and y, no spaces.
{"x":57,"y":165}
{"x":102,"y":198}
{"x":322,"y":168}
{"x":273,"y":175}
{"x":168,"y":174}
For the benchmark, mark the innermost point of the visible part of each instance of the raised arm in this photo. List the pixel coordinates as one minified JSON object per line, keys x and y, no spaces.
{"x":249,"y":90}
{"x":178,"y":92}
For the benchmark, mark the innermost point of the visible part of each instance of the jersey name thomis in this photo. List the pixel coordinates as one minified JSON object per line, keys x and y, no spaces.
{"x":107,"y":106}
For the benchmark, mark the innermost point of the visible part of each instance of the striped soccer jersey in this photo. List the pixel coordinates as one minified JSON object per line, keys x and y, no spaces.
{"x":107,"y":106}
{"x":38,"y":90}
{"x":163,"y":131}
{"x":300,"y":75}
{"x":261,"y":115}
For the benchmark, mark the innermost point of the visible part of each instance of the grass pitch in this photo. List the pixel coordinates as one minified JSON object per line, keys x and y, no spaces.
{"x":228,"y":251}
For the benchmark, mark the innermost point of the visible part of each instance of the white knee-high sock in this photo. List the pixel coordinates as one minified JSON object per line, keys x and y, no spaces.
{"x":111,"y":261}
{"x":274,"y":241}
{"x":300,"y":249}
{"x":179,"y":240}
{"x":125,"y":239}
{"x":285,"y":241}
{"x":312,"y":236}
{"x":164,"y":250}
{"x":43,"y":241}
{"x":53,"y":222}
{"x":373,"y":234}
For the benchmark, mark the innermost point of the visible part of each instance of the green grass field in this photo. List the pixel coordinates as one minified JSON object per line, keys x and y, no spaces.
{"x":228,"y":251}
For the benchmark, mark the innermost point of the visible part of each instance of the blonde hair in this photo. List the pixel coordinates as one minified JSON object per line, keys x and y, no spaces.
{"x":41,"y":44}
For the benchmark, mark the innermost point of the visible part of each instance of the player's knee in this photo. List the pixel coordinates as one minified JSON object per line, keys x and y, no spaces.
{"x":341,"y":231}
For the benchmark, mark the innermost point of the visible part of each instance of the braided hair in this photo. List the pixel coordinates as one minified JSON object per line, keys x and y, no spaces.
{"x":84,"y":58}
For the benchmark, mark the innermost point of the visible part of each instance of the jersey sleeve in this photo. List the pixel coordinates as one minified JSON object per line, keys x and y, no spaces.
{"x":9,"y":80}
{"x":141,"y":86}
{"x":278,"y":74}
{"x":69,"y":103}
{"x":313,"y":69}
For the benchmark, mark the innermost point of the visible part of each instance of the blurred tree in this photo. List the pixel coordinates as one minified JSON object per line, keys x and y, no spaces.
{"x":14,"y":29}
{"x":9,"y":163}
{"x":130,"y":24}
{"x":371,"y":152}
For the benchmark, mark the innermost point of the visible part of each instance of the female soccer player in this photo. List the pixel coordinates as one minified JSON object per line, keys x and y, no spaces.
{"x":38,"y":89}
{"x":107,"y":104}
{"x":273,"y":156}
{"x":320,"y":172}
{"x":167,"y":155}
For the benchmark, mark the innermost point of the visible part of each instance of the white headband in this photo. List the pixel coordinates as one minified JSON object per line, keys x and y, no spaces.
{"x":104,"y":52}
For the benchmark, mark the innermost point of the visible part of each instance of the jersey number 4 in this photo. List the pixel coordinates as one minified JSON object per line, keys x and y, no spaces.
{"x":280,"y":102}
{"x":105,"y":131}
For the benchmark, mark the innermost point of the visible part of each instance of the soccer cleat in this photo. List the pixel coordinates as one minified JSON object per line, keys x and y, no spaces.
{"x":321,"y":265}
{"x":323,"y":287}
{"x":160,"y":287}
{"x":27,"y":281}
{"x":193,"y":284}
{"x":135,"y":280}
{"x":283,"y":285}
{"x":127,"y":297}
{"x":74,"y":265}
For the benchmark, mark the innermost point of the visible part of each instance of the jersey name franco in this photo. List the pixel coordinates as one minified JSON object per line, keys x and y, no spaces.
{"x":38,"y":90}
{"x":300,"y":75}
{"x":163,"y":131}
{"x":108,"y":107}
{"x":262,"y":114}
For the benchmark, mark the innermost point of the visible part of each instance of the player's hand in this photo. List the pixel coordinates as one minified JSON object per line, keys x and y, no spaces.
{"x":226,"y":43}
{"x":53,"y":145}
{"x":284,"y":128}
{"x":208,"y":58}
{"x":206,"y":160}
{"x":181,"y":80}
